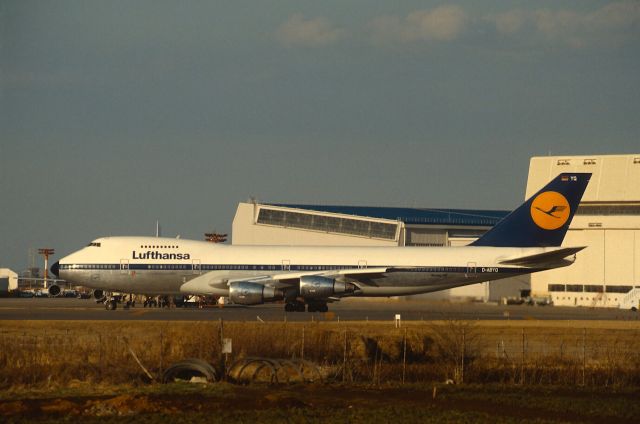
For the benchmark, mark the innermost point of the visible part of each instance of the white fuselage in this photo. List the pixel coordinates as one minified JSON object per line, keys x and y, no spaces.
{"x":151,"y":265}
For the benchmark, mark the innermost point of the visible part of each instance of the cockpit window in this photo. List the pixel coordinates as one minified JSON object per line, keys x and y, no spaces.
{"x":93,"y":243}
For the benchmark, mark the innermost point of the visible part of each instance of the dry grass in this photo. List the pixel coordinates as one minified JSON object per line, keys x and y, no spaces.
{"x":34,"y":353}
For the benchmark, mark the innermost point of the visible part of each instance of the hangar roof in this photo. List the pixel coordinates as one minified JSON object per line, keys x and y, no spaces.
{"x":469,"y":217}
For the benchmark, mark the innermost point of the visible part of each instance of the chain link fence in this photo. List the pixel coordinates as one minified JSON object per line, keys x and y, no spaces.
{"x":373,"y":353}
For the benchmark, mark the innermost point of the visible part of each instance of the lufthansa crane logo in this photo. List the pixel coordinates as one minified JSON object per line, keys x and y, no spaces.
{"x":550,"y":210}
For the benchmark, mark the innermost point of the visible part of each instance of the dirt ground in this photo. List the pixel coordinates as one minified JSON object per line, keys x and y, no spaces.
{"x":315,"y":403}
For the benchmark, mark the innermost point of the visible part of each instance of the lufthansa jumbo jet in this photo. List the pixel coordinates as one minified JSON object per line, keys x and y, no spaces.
{"x":527,"y":240}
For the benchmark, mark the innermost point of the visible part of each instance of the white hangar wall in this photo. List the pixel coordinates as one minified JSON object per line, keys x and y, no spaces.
{"x":607,"y":222}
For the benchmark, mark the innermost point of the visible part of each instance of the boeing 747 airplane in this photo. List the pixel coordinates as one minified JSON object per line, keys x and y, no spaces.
{"x":527,"y":240}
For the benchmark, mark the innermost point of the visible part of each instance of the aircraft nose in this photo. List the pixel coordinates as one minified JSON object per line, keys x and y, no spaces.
{"x":55,"y":269}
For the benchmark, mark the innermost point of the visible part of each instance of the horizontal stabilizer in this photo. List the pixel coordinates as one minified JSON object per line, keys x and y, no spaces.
{"x":538,"y":259}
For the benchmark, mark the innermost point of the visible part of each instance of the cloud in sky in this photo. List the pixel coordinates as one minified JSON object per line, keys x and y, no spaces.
{"x":316,"y":32}
{"x":611,"y":23}
{"x":443,"y":23}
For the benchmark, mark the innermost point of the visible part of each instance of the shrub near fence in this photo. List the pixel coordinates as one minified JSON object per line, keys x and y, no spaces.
{"x":33,"y":353}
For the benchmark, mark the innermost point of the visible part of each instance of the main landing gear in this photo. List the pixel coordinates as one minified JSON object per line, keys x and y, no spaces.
{"x":298,"y":306}
{"x":295,"y":306}
{"x":111,"y":301}
{"x":110,"y":304}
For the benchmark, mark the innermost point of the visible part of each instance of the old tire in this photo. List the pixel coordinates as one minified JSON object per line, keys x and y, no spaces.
{"x":187,"y":369}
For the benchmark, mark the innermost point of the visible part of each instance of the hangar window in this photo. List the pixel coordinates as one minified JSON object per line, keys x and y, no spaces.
{"x":574,"y":287}
{"x":420,"y":237}
{"x":593,"y":288}
{"x":618,"y":289}
{"x":556,"y":287}
{"x":309,"y":221}
{"x":608,"y":210}
{"x":460,"y":233}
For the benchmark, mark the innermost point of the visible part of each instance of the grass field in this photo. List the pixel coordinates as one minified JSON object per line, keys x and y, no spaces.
{"x":224,"y":402}
{"x":590,"y":353}
{"x":526,"y":371}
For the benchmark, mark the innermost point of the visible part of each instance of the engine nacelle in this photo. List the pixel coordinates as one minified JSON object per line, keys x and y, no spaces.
{"x":315,"y":287}
{"x":98,"y":294}
{"x":54,"y":290}
{"x":246,"y":293}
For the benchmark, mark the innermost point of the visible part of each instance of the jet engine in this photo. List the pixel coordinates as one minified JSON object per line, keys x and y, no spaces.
{"x":315,"y":287}
{"x":98,"y":294}
{"x":247,"y":293}
{"x":54,"y":290}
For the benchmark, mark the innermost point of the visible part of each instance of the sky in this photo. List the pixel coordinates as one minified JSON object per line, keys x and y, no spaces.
{"x":116,"y":114}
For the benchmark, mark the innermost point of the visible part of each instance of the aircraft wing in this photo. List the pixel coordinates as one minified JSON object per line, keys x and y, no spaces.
{"x":541,"y":259}
{"x":288,"y":279}
{"x":210,"y":281}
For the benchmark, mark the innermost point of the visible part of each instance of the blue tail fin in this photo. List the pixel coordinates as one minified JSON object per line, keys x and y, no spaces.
{"x":542,"y":220}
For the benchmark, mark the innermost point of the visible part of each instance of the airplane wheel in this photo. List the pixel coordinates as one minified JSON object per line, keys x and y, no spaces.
{"x":289,"y":307}
{"x":111,"y":305}
{"x":317,"y":307}
{"x":300,"y":307}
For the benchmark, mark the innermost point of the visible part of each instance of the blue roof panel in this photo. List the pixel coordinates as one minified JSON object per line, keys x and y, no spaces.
{"x":469,"y":217}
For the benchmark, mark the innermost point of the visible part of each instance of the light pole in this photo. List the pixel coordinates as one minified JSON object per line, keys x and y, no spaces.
{"x":46,"y":252}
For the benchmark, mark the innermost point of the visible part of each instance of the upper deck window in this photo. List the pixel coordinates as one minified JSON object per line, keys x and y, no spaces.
{"x":93,"y":243}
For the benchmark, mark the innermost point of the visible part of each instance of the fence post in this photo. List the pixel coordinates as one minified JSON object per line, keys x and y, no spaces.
{"x":522,"y":361}
{"x":302,"y":349}
{"x":584,"y":354}
{"x":161,"y":351}
{"x":404,"y":355}
{"x":344,"y":357}
{"x":462,"y":358}
{"x":221,"y":356}
{"x":375,"y":364}
{"x":99,"y":350}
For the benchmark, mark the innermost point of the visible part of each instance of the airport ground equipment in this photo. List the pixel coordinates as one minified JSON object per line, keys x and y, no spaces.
{"x":631,"y":300}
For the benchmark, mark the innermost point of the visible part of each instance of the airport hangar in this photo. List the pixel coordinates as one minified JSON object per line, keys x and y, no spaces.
{"x":8,"y":281}
{"x":607,"y":272}
{"x":607,"y":222}
{"x":321,"y":225}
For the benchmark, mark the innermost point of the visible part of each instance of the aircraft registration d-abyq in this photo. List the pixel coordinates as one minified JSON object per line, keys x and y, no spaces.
{"x":527,"y":240}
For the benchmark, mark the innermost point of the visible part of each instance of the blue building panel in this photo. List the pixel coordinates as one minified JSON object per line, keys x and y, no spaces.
{"x":467,"y":217}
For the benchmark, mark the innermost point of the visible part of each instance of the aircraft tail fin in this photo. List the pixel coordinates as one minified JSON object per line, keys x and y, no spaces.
{"x":543,"y":219}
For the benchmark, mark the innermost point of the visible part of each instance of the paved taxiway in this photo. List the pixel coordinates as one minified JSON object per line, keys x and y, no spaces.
{"x":347,"y":310}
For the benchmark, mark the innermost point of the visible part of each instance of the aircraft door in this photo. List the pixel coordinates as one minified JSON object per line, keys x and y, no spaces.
{"x":471,"y":270}
{"x":286,"y":265}
{"x":196,"y":266}
{"x":124,"y":266}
